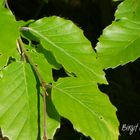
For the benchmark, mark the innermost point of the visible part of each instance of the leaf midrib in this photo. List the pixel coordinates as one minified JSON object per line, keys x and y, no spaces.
{"x":27,"y":96}
{"x":62,"y":50}
{"x":106,"y":124}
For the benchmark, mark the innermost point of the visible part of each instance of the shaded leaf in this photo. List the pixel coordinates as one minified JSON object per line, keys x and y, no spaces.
{"x":89,"y":110}
{"x":18,"y":102}
{"x":68,"y":44}
{"x":39,"y":60}
{"x":53,"y":118}
{"x":46,"y":1}
{"x":39,"y":49}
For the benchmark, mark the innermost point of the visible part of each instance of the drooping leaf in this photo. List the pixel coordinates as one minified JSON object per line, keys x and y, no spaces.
{"x":8,"y":35}
{"x":18,"y":102}
{"x":68,"y":44}
{"x":120,"y":41}
{"x":89,"y":110}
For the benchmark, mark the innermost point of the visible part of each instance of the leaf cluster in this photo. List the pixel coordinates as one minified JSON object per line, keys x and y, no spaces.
{"x":32,"y":101}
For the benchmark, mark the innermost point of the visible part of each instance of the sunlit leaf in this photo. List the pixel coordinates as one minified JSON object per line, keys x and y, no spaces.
{"x":18,"y":102}
{"x":120,"y":41}
{"x":8,"y":35}
{"x":89,"y":110}
{"x":129,"y":9}
{"x":68,"y":44}
{"x":40,"y":62}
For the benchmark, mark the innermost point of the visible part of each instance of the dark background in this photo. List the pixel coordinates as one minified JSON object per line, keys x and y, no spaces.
{"x":92,"y":16}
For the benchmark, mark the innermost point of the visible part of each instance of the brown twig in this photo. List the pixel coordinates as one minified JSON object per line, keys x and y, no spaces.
{"x":41,"y":80}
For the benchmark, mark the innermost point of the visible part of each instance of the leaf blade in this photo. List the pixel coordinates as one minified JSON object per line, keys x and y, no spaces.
{"x":19,"y":100}
{"x":119,"y":43}
{"x":129,"y":9}
{"x":85,"y":100}
{"x":9,"y":34}
{"x":68,"y":44}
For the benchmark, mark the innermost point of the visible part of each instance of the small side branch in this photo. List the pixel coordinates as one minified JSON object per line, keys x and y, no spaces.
{"x":41,"y":80}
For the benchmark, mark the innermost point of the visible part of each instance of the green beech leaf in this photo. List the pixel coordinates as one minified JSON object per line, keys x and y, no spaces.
{"x":68,"y":44}
{"x":39,"y":49}
{"x":18,"y":102}
{"x":2,"y":3}
{"x":120,"y":41}
{"x":89,"y":110}
{"x":39,"y":60}
{"x":53,"y":118}
{"x":8,"y":35}
{"x":129,"y":9}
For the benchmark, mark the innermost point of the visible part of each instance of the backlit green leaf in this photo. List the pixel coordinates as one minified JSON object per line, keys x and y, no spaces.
{"x":120,"y":41}
{"x":89,"y":110}
{"x":40,"y":62}
{"x":129,"y":9}
{"x":68,"y":44}
{"x":18,"y":102}
{"x":8,"y":35}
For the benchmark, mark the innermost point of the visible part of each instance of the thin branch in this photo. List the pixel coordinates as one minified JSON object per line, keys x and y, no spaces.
{"x":7,"y":6}
{"x":41,"y":80}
